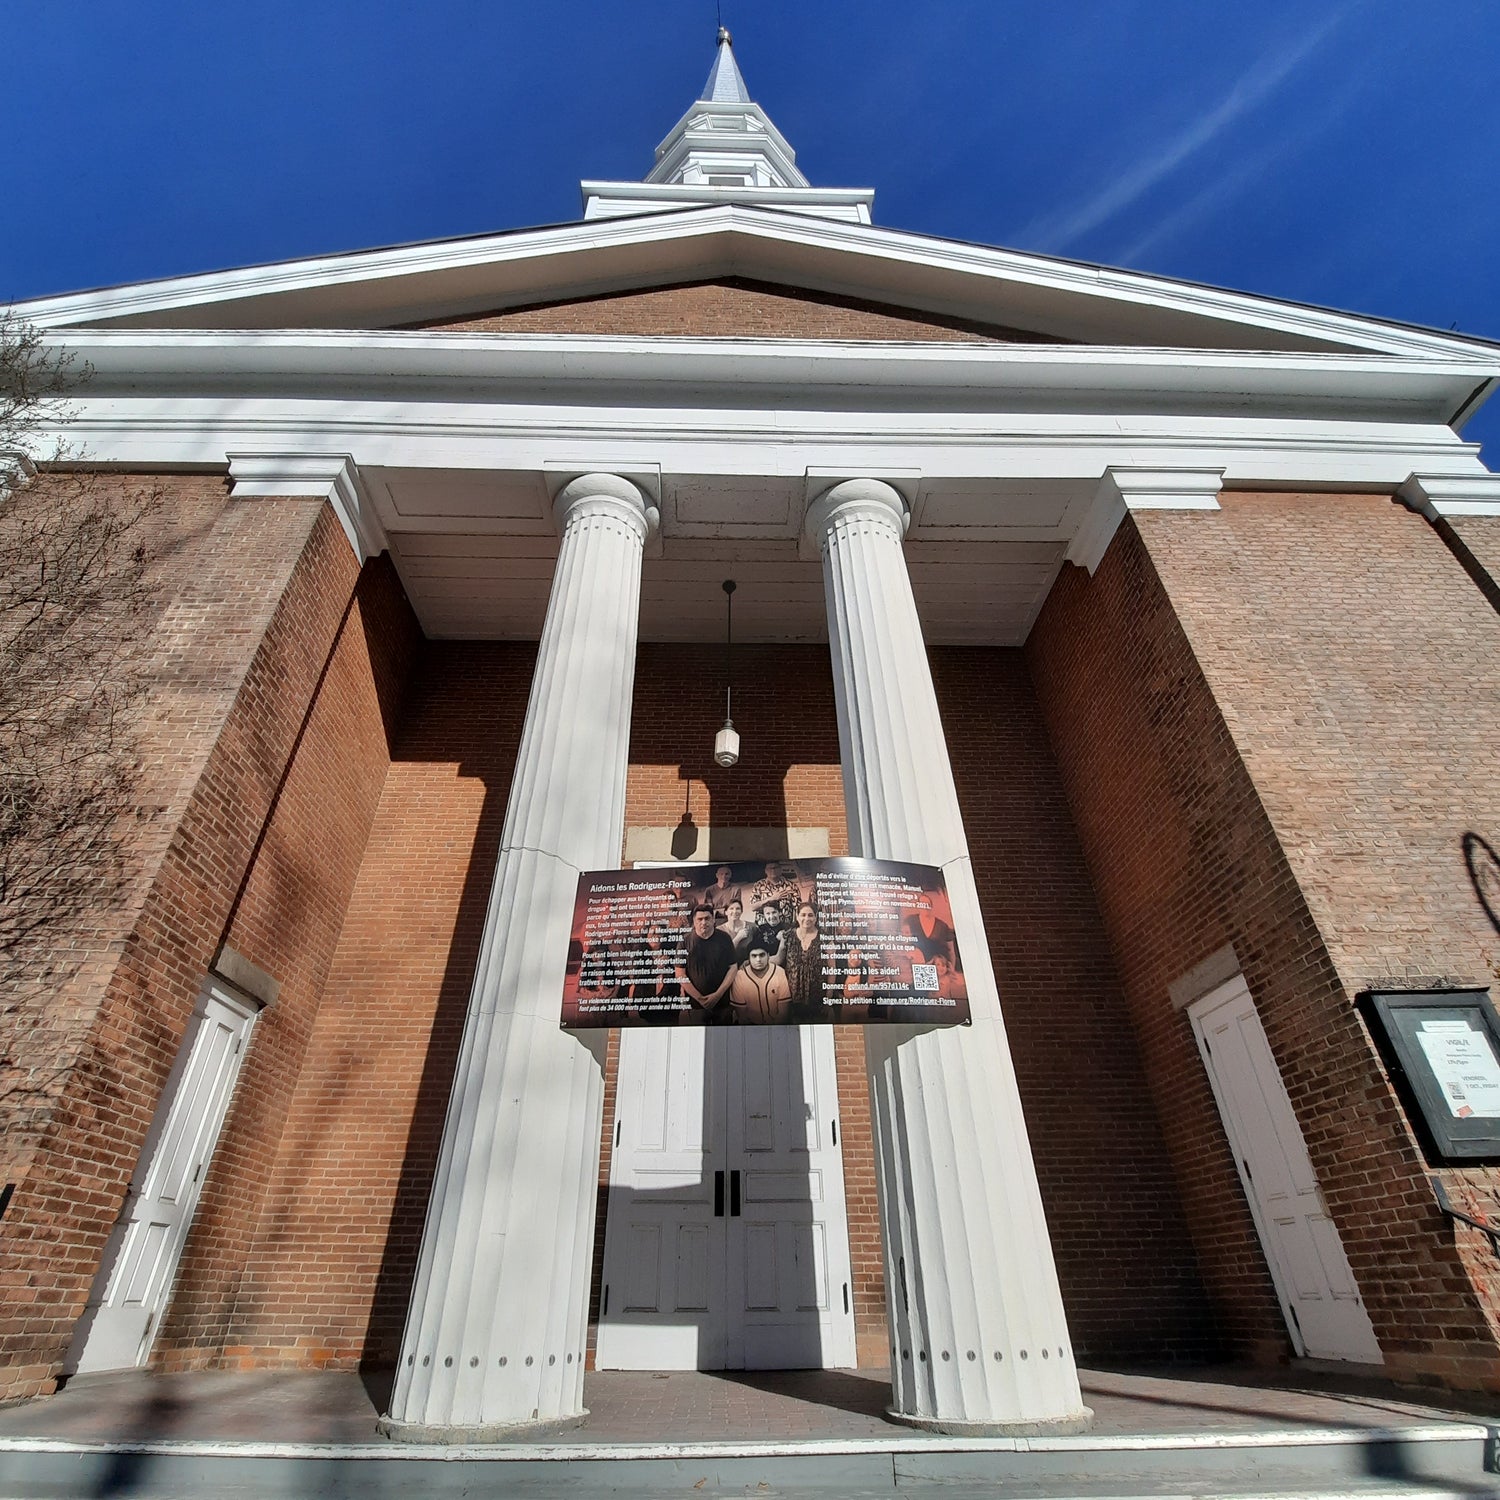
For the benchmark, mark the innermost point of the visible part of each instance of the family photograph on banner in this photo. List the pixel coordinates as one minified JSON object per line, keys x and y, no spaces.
{"x":769,"y":943}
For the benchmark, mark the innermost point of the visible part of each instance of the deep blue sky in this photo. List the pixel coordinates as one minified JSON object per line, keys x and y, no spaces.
{"x":1343,"y":154}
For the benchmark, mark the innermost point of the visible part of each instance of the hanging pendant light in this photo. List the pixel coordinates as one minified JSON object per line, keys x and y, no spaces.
{"x":727,"y":740}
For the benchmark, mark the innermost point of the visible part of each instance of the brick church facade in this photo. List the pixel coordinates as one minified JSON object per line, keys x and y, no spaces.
{"x":1207,"y":597}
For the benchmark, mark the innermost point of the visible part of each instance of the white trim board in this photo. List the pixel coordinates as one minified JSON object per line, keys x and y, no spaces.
{"x":1066,"y":299}
{"x":1015,"y":377}
{"x":202,"y":433}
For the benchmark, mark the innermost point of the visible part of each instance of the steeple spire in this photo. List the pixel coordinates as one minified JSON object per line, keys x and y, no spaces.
{"x":725,"y":85}
{"x":725,"y":150}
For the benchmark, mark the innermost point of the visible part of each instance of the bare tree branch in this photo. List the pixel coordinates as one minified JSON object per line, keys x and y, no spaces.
{"x":75,"y":596}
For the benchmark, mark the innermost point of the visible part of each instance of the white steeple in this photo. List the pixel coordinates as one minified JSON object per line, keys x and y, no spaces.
{"x":725,"y":150}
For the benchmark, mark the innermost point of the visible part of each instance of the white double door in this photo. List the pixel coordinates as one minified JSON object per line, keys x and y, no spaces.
{"x":1324,"y":1312}
{"x":140,"y":1258}
{"x":726,"y":1244}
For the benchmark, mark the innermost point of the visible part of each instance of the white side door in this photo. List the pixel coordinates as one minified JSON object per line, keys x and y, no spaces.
{"x":140,"y":1260}
{"x":1318,"y":1293}
{"x":787,"y":1281}
{"x":661,"y":1305}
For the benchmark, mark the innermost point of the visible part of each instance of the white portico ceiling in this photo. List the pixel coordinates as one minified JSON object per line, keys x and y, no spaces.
{"x":475,"y":552}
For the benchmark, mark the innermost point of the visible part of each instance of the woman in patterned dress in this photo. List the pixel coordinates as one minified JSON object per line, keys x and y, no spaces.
{"x":802,"y":959}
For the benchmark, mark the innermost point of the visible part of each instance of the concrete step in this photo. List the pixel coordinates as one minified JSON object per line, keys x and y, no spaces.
{"x":1410,"y":1462}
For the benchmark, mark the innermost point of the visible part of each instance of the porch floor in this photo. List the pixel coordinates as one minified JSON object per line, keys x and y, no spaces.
{"x":627,"y":1408}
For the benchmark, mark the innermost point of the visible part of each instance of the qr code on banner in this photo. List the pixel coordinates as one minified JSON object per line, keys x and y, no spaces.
{"x":924,"y":978}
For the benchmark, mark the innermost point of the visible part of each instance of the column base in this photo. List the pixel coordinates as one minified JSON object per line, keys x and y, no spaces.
{"x":1049,"y":1427}
{"x":489,"y":1432}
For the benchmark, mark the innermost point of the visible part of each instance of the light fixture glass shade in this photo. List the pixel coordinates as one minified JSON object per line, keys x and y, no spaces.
{"x":727,"y":744}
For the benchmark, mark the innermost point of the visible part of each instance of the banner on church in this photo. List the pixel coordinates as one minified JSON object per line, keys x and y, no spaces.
{"x":780,"y":943}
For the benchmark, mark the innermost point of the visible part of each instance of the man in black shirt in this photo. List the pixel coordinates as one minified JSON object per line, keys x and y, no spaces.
{"x":710,"y":962}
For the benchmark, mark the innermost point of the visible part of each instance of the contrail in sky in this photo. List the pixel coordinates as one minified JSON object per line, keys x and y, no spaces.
{"x":1252,"y":89}
{"x":1223,"y":189}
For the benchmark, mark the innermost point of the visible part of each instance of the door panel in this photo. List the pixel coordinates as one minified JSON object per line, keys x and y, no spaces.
{"x":762,"y":1274}
{"x":1306,"y":1256}
{"x":810,"y":1248}
{"x":642,"y":1279}
{"x":664,"y":1245}
{"x":783,"y":1120}
{"x":694,"y":1274}
{"x":1330,"y":1253}
{"x":141,"y":1258}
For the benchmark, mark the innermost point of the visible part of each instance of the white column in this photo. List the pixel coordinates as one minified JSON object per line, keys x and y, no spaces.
{"x":495,"y":1333}
{"x":979,"y":1342}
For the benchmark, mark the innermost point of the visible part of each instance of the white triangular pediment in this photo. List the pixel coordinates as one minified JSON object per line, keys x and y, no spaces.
{"x":1068,"y":301}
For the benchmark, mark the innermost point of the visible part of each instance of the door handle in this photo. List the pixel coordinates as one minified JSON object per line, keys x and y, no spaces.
{"x":718,"y":1195}
{"x":734,"y":1194}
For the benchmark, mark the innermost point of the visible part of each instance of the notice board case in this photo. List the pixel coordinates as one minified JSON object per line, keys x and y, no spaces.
{"x":1443,"y":1050}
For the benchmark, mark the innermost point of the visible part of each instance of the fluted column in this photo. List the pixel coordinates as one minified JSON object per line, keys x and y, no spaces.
{"x":979,"y":1342}
{"x":496,"y":1329}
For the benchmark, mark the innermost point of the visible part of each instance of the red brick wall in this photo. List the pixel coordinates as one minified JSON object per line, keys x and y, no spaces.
{"x":734,"y":308}
{"x":1125,"y":1262}
{"x":328,"y":1268}
{"x":334,"y":1251}
{"x":250,"y":588}
{"x":192,"y":668}
{"x":286,"y":920}
{"x":1272,"y":726}
{"x":1481,"y":535}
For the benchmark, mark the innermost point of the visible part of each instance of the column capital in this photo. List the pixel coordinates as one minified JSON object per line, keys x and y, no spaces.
{"x":604,"y":494}
{"x":870,"y":499}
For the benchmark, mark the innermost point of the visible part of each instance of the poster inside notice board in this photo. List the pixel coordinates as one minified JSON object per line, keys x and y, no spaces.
{"x":764,"y":943}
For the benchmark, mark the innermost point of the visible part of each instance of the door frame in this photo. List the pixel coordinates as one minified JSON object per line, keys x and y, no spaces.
{"x":1197,"y":1011}
{"x":244,"y":1012}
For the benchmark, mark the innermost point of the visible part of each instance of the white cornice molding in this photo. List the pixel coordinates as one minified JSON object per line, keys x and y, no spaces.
{"x":1449,"y":495}
{"x":730,"y":235}
{"x":728,"y":406}
{"x":1166,"y":489}
{"x":707,"y":439}
{"x":332,"y":476}
{"x":1232,"y":380}
{"x":1123,"y":490}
